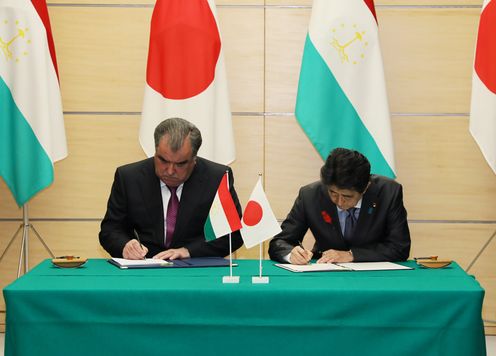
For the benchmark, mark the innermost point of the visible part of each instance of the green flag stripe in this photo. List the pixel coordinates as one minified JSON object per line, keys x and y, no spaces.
{"x":24,"y":164}
{"x":208,"y":230}
{"x":328,"y":117}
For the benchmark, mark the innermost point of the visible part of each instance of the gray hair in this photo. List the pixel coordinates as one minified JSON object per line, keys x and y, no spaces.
{"x":178,"y":129}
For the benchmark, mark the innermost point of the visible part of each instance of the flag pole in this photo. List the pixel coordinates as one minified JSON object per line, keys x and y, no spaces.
{"x":24,"y":252}
{"x":230,"y":278}
{"x":260,"y":279}
{"x":230,"y":256}
{"x":260,"y":259}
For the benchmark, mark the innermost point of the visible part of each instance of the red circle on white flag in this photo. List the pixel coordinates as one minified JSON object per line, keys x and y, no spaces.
{"x":253,"y":213}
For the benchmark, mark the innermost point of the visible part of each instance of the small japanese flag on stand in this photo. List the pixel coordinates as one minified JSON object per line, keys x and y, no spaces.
{"x":259,"y":224}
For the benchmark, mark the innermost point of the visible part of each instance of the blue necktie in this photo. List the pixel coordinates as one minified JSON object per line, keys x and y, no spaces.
{"x":349,"y":225}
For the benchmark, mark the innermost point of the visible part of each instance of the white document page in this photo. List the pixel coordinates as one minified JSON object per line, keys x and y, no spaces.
{"x":148,"y":262}
{"x":372,"y":266}
{"x":314,"y":267}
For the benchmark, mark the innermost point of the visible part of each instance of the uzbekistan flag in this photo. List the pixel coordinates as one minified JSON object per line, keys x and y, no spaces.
{"x":186,"y":77}
{"x":342,"y":100}
{"x":483,"y":107}
{"x":32,"y":134}
{"x":259,"y":221}
{"x":223,"y":217}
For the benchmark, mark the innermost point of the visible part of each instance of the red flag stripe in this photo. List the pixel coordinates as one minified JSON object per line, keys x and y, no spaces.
{"x":370,"y":4}
{"x":228,"y":205}
{"x":184,"y":48}
{"x":42,"y":10}
{"x":485,"y":55}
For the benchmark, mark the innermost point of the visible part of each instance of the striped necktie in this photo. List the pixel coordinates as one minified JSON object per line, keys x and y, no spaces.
{"x":170,"y":220}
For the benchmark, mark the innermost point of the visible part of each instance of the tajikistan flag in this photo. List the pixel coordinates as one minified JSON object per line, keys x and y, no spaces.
{"x":483,"y":108}
{"x":342,"y":100}
{"x":223,"y":217}
{"x":186,"y":76}
{"x":32,"y":134}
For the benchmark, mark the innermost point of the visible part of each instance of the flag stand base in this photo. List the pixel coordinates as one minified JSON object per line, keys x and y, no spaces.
{"x":260,"y":280}
{"x":230,"y":279}
{"x":23,"y":255}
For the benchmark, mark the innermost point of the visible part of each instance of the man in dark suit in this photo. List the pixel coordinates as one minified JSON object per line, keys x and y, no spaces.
{"x":142,"y":202}
{"x":354,"y":216}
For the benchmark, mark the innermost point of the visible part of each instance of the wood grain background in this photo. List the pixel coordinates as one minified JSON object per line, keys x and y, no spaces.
{"x":428,"y":48}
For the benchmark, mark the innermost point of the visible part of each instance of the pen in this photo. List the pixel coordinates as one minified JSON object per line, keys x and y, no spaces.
{"x":304,"y":249}
{"x":137,"y":238}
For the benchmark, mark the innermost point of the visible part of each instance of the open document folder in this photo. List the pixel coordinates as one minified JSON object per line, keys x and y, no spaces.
{"x":184,"y":263}
{"x":351,"y":266}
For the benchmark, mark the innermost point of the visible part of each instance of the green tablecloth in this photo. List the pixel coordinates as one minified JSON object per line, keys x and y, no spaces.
{"x":98,"y":309}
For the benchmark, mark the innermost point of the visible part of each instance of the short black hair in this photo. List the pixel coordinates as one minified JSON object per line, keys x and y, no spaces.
{"x":346,"y":169}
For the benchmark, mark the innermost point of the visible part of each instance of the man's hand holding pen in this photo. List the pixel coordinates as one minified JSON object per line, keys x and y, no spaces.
{"x":300,"y":255}
{"x":134,"y":250}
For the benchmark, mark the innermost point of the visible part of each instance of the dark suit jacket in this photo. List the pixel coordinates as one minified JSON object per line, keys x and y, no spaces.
{"x":381,"y":233}
{"x":135,"y":202}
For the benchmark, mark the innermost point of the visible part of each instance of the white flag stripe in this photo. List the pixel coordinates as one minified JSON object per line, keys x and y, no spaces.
{"x":483,"y":120}
{"x":370,"y":97}
{"x":218,"y":218}
{"x":33,"y":83}
{"x":209,"y":110}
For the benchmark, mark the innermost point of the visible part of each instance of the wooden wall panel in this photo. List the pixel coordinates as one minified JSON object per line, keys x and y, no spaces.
{"x":379,"y":3}
{"x":149,"y":2}
{"x":242,"y":32}
{"x":442,"y":169}
{"x":102,"y":55}
{"x":286,"y":29}
{"x":428,"y":48}
{"x":428,"y":57}
{"x":248,"y":133}
{"x":97,"y":146}
{"x":291,"y":161}
{"x":438,"y":163}
{"x":428,"y":53}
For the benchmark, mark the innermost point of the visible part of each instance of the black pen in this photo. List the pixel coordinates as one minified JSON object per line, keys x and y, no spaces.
{"x":137,"y":238}
{"x":303,"y":248}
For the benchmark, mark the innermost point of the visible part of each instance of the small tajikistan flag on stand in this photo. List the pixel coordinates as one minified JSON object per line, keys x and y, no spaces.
{"x":223,"y":219}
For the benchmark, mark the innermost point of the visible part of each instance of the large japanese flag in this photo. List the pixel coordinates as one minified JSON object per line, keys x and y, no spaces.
{"x":186,"y":77}
{"x":259,"y":221}
{"x":342,"y":99}
{"x":483,"y":107}
{"x":32,"y":134}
